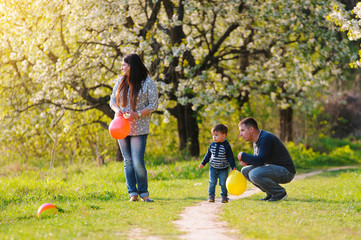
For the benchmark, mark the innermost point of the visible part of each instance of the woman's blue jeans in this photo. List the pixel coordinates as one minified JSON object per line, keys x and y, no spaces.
{"x":268,"y":177}
{"x":133,"y":149}
{"x":214,"y":175}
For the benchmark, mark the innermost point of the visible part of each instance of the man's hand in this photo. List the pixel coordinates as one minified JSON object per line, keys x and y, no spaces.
{"x":240,"y":156}
{"x":240,"y":159}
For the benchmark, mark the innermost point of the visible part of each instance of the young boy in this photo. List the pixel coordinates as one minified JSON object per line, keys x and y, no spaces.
{"x":219,"y":156}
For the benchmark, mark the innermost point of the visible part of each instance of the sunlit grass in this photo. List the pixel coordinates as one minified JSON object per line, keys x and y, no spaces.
{"x":93,"y":203}
{"x":326,"y":206}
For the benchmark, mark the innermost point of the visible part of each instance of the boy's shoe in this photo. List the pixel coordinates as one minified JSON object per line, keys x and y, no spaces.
{"x":133,"y":199}
{"x":276,"y":198}
{"x":210,"y":199}
{"x":224,"y":199}
{"x":147,"y":199}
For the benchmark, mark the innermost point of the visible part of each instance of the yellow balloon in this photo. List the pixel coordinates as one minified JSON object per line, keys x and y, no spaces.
{"x":236,"y":183}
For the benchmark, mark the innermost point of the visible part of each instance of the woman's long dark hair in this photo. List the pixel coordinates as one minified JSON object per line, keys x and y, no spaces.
{"x":137,"y":74}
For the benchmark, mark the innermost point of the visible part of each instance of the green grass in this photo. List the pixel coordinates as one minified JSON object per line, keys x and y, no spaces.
{"x":93,"y":202}
{"x":326,"y":206}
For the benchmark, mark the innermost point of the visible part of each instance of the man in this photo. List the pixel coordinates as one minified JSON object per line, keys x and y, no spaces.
{"x":271,"y":163}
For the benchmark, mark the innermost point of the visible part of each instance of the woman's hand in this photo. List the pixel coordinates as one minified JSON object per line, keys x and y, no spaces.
{"x":130,"y":115}
{"x":118,"y":114}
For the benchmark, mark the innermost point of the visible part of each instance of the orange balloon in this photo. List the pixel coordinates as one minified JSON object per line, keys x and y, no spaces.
{"x":119,"y":128}
{"x":47,"y":209}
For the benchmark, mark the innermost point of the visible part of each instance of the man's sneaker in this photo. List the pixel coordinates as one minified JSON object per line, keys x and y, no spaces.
{"x":275,"y":198}
{"x":224,"y":199}
{"x":268,"y":197}
{"x":210,"y":199}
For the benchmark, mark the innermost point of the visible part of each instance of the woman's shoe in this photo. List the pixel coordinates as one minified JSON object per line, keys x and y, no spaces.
{"x":147,"y":199}
{"x":134,"y":199}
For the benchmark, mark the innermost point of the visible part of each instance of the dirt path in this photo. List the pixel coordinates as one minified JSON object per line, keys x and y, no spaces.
{"x":201,"y":221}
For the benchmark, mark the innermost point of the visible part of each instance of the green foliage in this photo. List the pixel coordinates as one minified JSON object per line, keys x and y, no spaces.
{"x":339,"y":156}
{"x":308,"y":158}
{"x":302,"y":157}
{"x":327,"y":144}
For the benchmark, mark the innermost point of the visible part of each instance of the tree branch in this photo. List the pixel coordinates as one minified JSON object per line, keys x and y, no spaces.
{"x":210,"y":57}
{"x":65,"y":46}
{"x":45,"y":101}
{"x":151,"y":21}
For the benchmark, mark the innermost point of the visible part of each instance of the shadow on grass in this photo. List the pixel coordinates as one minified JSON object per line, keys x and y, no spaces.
{"x":336,"y":173}
{"x":258,"y":197}
{"x":26,"y":217}
{"x":302,"y":200}
{"x":327,"y":201}
{"x":180,"y":199}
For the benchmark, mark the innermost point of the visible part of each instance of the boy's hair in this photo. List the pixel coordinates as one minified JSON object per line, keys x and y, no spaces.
{"x":220,"y":128}
{"x":249,"y":122}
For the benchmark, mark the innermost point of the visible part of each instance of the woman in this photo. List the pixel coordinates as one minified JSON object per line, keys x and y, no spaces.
{"x":135,"y":96}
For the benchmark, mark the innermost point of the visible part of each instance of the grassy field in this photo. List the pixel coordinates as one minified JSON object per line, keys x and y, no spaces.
{"x":93,"y":204}
{"x":325,"y":206}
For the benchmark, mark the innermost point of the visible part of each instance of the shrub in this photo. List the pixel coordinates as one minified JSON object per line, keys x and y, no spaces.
{"x":339,"y":156}
{"x":302,"y":157}
{"x":307,"y":158}
{"x":325,"y":145}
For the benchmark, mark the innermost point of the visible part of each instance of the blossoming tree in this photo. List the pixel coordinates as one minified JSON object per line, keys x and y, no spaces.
{"x":60,"y":56}
{"x":348,"y":21}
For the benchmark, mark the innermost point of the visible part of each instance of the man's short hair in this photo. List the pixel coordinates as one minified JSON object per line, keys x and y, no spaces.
{"x":249,"y":122}
{"x":220,"y":128}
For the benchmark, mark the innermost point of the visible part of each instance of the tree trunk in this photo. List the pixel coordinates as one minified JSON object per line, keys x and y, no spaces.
{"x":119,"y":156}
{"x":187,"y":129}
{"x":286,"y":124}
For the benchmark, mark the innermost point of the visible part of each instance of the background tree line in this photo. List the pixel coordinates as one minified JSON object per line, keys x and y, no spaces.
{"x":210,"y":59}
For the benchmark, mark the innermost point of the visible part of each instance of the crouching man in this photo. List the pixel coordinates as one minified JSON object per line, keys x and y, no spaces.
{"x":271,"y":163}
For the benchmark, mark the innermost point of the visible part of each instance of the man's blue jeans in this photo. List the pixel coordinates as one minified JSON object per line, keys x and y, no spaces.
{"x":215,"y":174}
{"x":268,"y":177}
{"x":133,"y":149}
